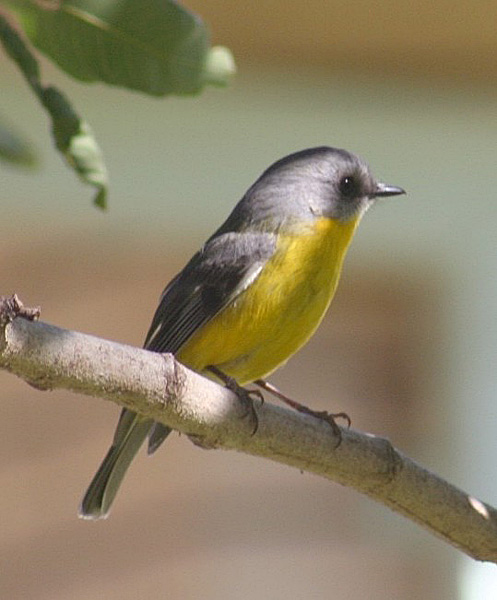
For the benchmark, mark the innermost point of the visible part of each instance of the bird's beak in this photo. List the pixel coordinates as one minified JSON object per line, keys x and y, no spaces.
{"x":383,"y":190}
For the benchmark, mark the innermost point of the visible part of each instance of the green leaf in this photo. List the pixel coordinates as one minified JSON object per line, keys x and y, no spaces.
{"x":74,"y":138}
{"x":72,"y":135}
{"x":14,"y":149}
{"x":154,"y":46}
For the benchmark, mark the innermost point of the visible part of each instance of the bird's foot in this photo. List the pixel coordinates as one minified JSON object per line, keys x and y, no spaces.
{"x":245,"y":396}
{"x":322,"y":415}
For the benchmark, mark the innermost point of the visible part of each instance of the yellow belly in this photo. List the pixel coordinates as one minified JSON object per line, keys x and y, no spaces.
{"x":280,"y":311}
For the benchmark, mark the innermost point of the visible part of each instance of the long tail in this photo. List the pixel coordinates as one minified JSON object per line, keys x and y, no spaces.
{"x":130,"y":434}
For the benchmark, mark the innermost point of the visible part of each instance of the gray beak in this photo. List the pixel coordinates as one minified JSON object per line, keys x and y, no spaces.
{"x":383,"y":190}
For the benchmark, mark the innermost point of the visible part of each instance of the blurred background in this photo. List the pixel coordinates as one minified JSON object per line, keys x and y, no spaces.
{"x":408,"y":348}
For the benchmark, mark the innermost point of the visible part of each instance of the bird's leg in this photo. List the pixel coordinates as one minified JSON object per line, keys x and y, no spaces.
{"x":244,"y":395}
{"x":323,"y":415}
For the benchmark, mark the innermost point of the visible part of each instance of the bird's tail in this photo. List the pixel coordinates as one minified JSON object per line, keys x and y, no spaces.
{"x":130,"y":434}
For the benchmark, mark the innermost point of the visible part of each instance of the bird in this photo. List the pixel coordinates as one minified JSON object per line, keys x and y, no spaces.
{"x":255,"y":292}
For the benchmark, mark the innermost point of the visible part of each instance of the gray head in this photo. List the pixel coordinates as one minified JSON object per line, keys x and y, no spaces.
{"x":318,"y":182}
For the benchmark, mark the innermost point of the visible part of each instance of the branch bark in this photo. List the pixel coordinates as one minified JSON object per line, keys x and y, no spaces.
{"x":157,"y":386}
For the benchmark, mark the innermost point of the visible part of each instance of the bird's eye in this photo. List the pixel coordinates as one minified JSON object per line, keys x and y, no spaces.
{"x":349,"y":186}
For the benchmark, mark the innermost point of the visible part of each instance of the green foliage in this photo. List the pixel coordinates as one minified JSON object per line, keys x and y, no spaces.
{"x":71,"y":134}
{"x":153,"y":46}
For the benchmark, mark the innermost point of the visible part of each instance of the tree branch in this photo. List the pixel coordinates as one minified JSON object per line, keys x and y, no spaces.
{"x":157,"y":386}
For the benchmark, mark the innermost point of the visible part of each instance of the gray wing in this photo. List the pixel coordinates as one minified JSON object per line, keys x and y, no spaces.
{"x":214,"y":277}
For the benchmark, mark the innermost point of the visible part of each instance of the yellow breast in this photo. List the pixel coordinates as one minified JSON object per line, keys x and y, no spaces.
{"x":280,"y":311}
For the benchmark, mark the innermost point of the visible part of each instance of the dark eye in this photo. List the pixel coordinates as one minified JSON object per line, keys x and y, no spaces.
{"x":349,"y":186}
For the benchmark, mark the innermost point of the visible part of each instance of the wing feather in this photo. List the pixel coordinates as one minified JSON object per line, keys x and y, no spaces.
{"x":214,"y":277}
